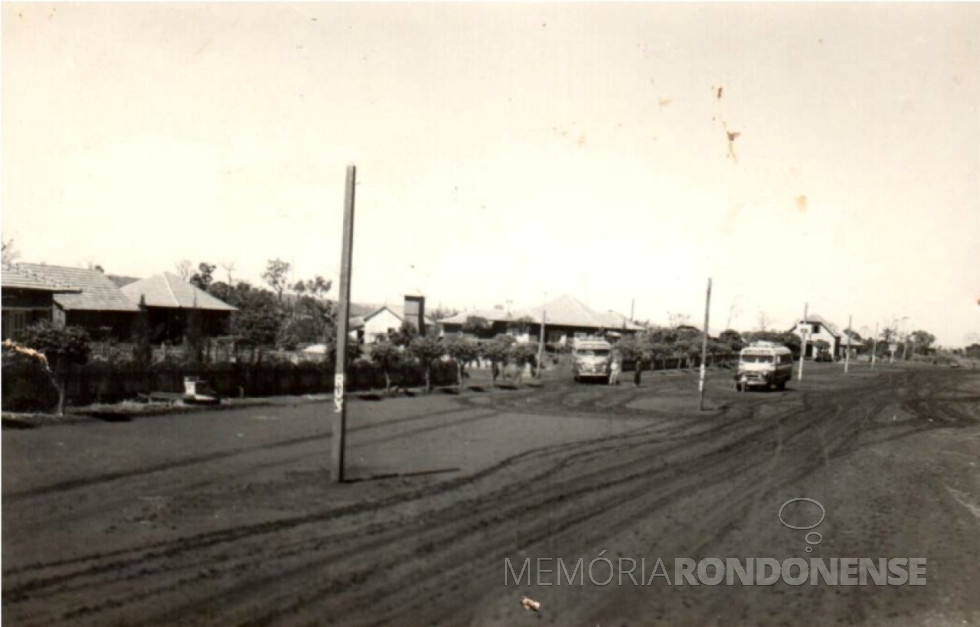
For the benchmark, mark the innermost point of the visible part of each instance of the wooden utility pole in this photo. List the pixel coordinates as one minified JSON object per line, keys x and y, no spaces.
{"x":704,"y":347}
{"x":847,"y":355}
{"x":339,"y":432}
{"x":541,"y":339}
{"x":803,"y":333}
{"x":874,"y":348}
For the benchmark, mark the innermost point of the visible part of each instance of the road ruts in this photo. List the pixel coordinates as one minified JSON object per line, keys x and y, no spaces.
{"x":430,"y":554}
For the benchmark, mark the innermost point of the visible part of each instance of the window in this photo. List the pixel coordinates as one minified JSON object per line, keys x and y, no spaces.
{"x":592,"y":352}
{"x":13,"y":321}
{"x":815,"y":328}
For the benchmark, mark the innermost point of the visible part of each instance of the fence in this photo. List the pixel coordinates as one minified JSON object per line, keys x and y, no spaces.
{"x":27,"y":388}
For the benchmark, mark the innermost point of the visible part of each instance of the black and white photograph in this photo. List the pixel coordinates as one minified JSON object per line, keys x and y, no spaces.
{"x":490,"y":313}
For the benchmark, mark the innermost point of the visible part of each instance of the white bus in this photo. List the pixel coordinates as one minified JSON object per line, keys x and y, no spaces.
{"x":592,"y":359}
{"x":764,"y":364}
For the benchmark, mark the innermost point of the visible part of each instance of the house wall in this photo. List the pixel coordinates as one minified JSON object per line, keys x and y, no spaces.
{"x":382,"y":323}
{"x":816,"y":331}
{"x":170,"y":324}
{"x":22,"y":308}
{"x":99,"y":324}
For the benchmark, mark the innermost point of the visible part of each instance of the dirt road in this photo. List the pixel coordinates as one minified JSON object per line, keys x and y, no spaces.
{"x":228,"y":518}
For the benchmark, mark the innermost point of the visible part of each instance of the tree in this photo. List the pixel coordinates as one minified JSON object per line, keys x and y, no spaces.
{"x":523,"y":354}
{"x":921,"y":341}
{"x":496,"y":352}
{"x":763,"y":321}
{"x":142,"y":337}
{"x":60,"y":349}
{"x":277,"y":275}
{"x":9,"y":252}
{"x":204,"y":275}
{"x":404,"y":335}
{"x":732,"y":340}
{"x":660,"y":351}
{"x":478,"y":326}
{"x":463,"y":351}
{"x":523,"y":324}
{"x":441,"y":313}
{"x":229,"y":268}
{"x":194,"y":338}
{"x":636,"y":350}
{"x":225,"y":292}
{"x":258,"y":318}
{"x":387,"y":356}
{"x":426,"y":350}
{"x":183,"y":268}
{"x":314,"y":318}
{"x":677,"y":319}
{"x":788,"y":339}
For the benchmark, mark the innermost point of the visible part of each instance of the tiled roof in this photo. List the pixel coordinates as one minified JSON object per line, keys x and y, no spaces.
{"x":168,"y":290}
{"x":563,"y":311}
{"x":815,"y":319}
{"x":98,"y":293}
{"x":17,"y":277}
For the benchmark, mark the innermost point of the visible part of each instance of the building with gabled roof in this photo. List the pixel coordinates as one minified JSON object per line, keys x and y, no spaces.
{"x":27,"y":298}
{"x":95,"y":303}
{"x":816,"y":328}
{"x":564,"y":319}
{"x":170,"y":301}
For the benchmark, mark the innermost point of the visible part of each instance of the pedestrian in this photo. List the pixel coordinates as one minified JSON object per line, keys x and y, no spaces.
{"x":615,"y":366}
{"x":636,"y":371}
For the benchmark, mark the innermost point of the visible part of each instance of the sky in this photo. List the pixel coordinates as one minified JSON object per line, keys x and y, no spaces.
{"x":822,"y":155}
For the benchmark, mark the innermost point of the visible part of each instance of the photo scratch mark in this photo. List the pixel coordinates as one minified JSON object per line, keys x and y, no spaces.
{"x":731,"y":136}
{"x":964,"y":499}
{"x":731,"y":216}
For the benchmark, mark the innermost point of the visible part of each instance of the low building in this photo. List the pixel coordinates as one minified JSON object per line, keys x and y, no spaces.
{"x":170,"y":302}
{"x":96,"y":304}
{"x":27,"y":298}
{"x":375,"y":322}
{"x":565,"y":318}
{"x":814,"y":329}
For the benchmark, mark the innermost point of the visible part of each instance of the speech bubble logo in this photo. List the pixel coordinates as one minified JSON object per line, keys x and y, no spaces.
{"x":812,"y":538}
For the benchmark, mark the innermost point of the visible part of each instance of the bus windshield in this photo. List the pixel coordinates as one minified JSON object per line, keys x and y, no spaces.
{"x":592,"y":352}
{"x":757,"y":359}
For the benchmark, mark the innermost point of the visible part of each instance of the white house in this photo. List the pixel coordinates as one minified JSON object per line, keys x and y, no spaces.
{"x":380,"y":322}
{"x":815,"y":328}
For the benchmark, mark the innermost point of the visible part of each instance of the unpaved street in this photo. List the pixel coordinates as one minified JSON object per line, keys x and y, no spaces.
{"x":228,"y":518}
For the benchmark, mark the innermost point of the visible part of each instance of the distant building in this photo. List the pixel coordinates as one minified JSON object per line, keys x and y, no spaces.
{"x":170,"y":301}
{"x":565,"y":318}
{"x":816,"y":328}
{"x":27,"y":298}
{"x":96,"y":304}
{"x":378,"y":321}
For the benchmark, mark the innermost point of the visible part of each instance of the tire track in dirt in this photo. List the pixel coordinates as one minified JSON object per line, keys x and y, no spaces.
{"x":530,"y":508}
{"x":592,"y":488}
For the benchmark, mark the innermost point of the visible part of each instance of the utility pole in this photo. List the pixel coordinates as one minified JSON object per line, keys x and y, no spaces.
{"x":541,"y":339}
{"x":339,"y":432}
{"x":847,"y":354}
{"x":803,"y":333}
{"x":632,"y":306}
{"x":704,"y":347}
{"x":874,"y":348}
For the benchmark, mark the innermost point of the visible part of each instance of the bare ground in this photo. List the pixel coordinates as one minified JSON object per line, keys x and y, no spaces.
{"x":229,"y":517}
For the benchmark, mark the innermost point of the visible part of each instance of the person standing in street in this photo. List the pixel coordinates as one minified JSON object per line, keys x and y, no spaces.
{"x":615,"y":366}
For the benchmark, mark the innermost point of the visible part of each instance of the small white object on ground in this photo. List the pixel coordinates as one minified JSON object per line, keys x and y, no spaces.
{"x":530,"y":604}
